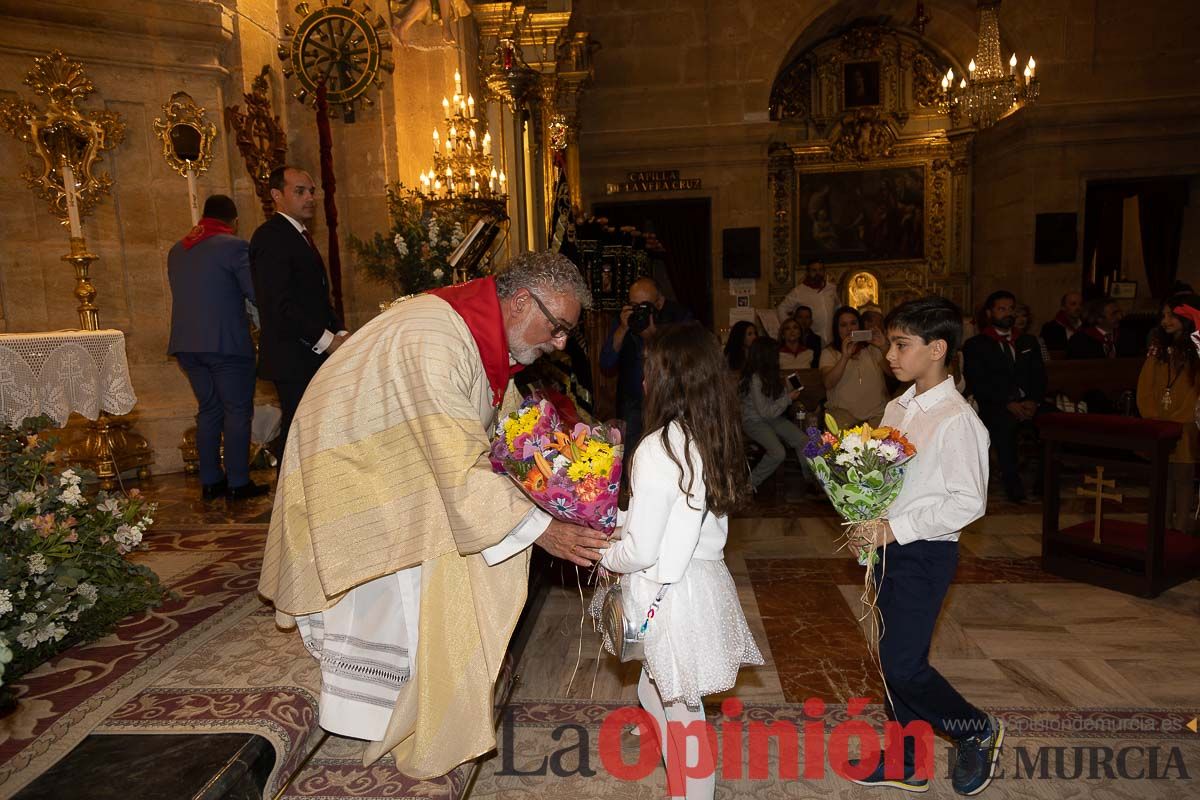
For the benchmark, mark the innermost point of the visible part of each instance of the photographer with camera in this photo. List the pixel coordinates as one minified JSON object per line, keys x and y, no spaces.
{"x":624,"y":350}
{"x":855,"y":373}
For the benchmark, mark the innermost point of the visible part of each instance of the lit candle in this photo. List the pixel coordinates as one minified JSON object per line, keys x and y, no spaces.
{"x":1012,"y":65}
{"x":449,"y":147}
{"x":1032,"y":67}
{"x":471,"y":133}
{"x":453,"y":133}
{"x":492,"y":181}
{"x":962,"y":84}
{"x":457,"y":82}
{"x":503,"y":180}
{"x":68,"y":176}
{"x":437,"y":145}
{"x":950,"y":75}
{"x":487,"y":144}
{"x":945,"y":83}
{"x":445,"y":108}
{"x":971,"y":67}
{"x":472,"y":172}
{"x":462,"y":108}
{"x":1028,"y":74}
{"x":471,"y":104}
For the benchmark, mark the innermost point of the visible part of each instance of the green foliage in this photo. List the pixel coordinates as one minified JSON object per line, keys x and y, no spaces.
{"x":64,"y":574}
{"x":413,"y":255}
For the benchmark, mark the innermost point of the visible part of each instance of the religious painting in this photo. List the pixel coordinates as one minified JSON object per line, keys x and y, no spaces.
{"x":862,"y":215}
{"x":862,"y":289}
{"x":860,"y":84}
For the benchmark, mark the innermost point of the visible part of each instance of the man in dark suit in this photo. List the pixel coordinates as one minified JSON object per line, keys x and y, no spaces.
{"x":300,"y":329}
{"x":1007,"y":378}
{"x":1100,"y":332}
{"x":1058,"y":331}
{"x":209,"y":272}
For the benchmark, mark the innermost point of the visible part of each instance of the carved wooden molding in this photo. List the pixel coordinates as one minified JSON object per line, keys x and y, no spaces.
{"x":259,"y":136}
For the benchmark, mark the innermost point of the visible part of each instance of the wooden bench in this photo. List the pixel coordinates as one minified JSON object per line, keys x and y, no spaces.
{"x":1076,"y":379}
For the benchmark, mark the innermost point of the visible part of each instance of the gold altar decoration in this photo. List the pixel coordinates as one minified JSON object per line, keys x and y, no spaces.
{"x":340,"y":47}
{"x":81,"y":260}
{"x":107,"y":446}
{"x":259,"y":136}
{"x":1101,"y":484}
{"x":61,"y":131}
{"x":988,"y":93}
{"x":511,"y":80}
{"x":186,"y":135}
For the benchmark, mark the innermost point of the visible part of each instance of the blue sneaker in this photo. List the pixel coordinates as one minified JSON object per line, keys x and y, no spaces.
{"x":975,"y":763}
{"x":908,"y":783}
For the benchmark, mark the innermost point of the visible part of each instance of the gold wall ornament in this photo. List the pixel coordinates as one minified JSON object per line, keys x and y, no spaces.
{"x":62,"y":130}
{"x":337,"y":45}
{"x":259,"y":136}
{"x":863,"y":136}
{"x":186,"y":135}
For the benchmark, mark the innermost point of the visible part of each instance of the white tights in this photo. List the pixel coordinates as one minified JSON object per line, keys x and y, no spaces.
{"x":696,"y":788}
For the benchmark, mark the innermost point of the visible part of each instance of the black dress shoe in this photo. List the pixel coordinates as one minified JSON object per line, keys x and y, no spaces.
{"x":211,"y":491}
{"x":250,"y":489}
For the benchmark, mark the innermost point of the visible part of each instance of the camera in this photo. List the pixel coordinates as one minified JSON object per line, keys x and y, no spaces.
{"x":641,"y":316}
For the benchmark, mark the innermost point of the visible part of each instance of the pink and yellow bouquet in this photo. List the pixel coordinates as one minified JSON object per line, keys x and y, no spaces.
{"x":574,"y":476}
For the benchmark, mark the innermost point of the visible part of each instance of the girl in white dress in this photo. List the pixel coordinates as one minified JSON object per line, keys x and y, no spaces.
{"x":688,"y":474}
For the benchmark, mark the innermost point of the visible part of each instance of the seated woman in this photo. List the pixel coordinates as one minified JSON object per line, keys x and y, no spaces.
{"x":1167,"y":389}
{"x":793,"y":352}
{"x":854,"y":372}
{"x":741,"y":336}
{"x":765,"y":402}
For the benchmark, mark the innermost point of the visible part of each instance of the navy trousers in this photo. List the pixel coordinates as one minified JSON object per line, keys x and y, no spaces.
{"x":913,"y":584}
{"x":224,"y":388}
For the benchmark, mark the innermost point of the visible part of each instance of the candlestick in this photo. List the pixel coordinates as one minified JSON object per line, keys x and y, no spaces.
{"x":68,"y":177}
{"x":1032,"y":67}
{"x":193,"y":200}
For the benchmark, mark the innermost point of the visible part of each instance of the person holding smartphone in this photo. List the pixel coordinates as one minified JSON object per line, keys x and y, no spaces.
{"x":854,"y":372}
{"x":766,"y":397}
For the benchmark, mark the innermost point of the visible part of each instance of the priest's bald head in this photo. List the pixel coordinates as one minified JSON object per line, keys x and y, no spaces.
{"x":541,"y":296}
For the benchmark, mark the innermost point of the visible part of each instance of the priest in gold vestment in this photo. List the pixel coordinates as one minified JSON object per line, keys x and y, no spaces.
{"x":390,"y":529}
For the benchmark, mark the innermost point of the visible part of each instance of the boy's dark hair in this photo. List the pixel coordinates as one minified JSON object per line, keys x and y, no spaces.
{"x":931,"y":318}
{"x":997,"y":296}
{"x":219,"y":206}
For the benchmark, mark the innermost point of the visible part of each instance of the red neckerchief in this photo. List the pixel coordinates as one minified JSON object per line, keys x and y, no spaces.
{"x":1009,"y":338}
{"x":1100,"y":336}
{"x":1062,"y":319}
{"x":800,"y":348}
{"x":814,"y":285}
{"x":479,"y":306}
{"x":206,"y":228}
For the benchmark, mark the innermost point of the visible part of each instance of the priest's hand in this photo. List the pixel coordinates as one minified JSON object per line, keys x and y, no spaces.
{"x":573,"y":543}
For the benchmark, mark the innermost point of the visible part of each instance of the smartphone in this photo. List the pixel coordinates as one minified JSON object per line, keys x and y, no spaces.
{"x":860,"y":336}
{"x":793,"y":381}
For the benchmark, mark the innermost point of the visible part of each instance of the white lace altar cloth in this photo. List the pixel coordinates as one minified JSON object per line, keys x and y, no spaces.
{"x":56,"y":373}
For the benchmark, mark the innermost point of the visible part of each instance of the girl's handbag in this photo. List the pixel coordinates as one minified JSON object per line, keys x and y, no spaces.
{"x":628,"y":637}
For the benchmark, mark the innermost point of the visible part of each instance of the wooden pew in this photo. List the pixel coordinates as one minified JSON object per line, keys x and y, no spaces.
{"x":1075,"y":379}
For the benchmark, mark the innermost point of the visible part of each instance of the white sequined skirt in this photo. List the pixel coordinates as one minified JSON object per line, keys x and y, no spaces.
{"x":698,"y":639}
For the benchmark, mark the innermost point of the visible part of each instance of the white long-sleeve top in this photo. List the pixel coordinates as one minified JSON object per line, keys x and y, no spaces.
{"x":664,"y":528}
{"x":945,"y":485}
{"x":757,"y":407}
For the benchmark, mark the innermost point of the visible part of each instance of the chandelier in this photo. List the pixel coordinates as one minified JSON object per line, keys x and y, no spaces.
{"x":989,"y":93}
{"x":463,"y":169}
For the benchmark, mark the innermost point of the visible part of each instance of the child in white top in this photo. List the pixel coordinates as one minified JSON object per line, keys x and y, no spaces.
{"x":688,"y":474}
{"x":945,"y":489}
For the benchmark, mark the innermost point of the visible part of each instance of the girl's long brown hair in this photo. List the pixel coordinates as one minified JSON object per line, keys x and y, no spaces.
{"x":687,"y":382}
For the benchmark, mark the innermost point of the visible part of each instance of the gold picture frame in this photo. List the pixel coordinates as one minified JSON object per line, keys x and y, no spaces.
{"x":186,"y":135}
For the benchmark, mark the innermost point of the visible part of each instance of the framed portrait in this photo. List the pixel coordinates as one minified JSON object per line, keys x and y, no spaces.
{"x":862,"y":215}
{"x":860,"y":84}
{"x":1123,"y":290}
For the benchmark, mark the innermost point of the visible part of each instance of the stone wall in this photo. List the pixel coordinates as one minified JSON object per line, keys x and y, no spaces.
{"x":137,"y":53}
{"x":682,"y":84}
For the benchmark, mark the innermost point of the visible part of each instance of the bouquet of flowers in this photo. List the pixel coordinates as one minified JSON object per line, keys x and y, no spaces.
{"x":862,"y":471}
{"x":64,"y":572}
{"x":574,"y":476}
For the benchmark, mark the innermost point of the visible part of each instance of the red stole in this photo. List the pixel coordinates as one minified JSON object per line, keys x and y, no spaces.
{"x":1007,"y":342}
{"x":1062,"y":319}
{"x":479,"y":306}
{"x":206,"y":228}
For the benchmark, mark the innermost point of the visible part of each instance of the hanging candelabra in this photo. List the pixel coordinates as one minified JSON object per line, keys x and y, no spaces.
{"x":989,"y":93}
{"x":464,"y":169}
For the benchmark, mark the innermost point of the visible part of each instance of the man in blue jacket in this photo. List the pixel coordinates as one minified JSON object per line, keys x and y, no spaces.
{"x":209,"y":271}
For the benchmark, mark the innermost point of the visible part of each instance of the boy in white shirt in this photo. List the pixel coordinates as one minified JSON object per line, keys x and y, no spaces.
{"x":945,"y":489}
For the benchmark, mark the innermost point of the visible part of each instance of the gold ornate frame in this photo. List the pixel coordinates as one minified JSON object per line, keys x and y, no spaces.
{"x":61,"y":131}
{"x":181,"y":111}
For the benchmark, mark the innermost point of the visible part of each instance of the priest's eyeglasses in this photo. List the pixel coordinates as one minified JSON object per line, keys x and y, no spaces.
{"x":560,"y":329}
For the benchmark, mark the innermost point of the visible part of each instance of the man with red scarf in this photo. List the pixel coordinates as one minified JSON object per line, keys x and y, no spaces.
{"x":818,"y":295}
{"x":397,"y":551}
{"x":209,"y":272}
{"x":1058,"y":331}
{"x":1101,"y":328}
{"x":1005,"y":374}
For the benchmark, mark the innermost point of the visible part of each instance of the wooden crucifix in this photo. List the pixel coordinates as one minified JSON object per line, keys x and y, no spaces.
{"x":1100,"y":484}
